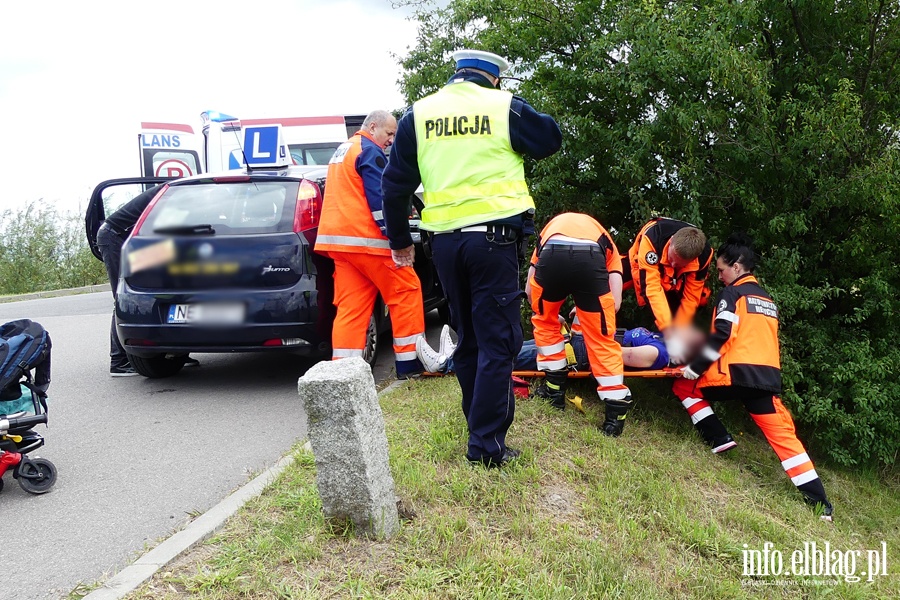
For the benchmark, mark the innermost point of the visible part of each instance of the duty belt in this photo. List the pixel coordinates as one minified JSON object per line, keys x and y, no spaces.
{"x":504,"y":231}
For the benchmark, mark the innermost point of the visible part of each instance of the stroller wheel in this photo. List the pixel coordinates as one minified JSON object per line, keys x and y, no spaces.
{"x":37,"y":475}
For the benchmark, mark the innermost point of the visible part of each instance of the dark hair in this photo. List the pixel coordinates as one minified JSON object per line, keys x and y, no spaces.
{"x":738,"y":248}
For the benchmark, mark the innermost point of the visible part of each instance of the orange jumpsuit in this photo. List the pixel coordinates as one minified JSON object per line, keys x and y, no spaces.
{"x":351,"y":233}
{"x":575,"y":256}
{"x":741,"y":360}
{"x":658,"y":284}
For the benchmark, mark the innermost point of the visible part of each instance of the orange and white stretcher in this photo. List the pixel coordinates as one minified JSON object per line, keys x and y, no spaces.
{"x":647,"y":373}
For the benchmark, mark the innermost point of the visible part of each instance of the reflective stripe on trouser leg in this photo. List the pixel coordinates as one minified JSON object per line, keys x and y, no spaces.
{"x":604,"y":353}
{"x":779,"y":430}
{"x":354,"y":297}
{"x":701,"y":413}
{"x":551,"y":345}
{"x":402,"y":294}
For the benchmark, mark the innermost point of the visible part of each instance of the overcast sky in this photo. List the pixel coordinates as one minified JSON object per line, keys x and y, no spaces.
{"x":77,"y":78}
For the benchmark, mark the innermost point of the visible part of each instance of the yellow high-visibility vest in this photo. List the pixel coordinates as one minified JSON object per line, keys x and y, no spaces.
{"x":469,"y":170}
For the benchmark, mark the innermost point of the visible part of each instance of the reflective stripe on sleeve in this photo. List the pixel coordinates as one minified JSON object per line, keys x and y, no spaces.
{"x":377,"y":215}
{"x":711,"y":354}
{"x":347,"y":353}
{"x":728,"y":316}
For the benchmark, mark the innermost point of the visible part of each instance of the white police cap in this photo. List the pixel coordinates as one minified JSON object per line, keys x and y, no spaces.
{"x":478,"y":59}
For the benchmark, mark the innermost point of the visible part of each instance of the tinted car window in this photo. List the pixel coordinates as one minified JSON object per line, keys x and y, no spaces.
{"x":229,"y":208}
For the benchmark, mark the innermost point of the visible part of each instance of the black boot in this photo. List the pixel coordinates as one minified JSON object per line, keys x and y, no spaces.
{"x":616,"y":411}
{"x":553,"y":389}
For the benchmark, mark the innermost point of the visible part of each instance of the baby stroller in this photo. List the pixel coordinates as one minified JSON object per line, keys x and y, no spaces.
{"x":24,"y":379}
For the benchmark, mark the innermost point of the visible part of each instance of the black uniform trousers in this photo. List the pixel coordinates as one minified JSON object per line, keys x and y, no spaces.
{"x":480,"y":274}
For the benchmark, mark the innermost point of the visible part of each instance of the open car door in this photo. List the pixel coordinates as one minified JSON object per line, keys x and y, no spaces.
{"x":108,"y":196}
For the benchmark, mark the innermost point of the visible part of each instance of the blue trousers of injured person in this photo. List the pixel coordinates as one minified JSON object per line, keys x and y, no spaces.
{"x":480,"y":275}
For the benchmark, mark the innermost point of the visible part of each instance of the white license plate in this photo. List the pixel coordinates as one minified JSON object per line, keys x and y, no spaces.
{"x":208,"y":314}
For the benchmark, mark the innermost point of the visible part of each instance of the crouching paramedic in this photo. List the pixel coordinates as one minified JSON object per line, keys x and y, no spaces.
{"x":351,"y":233}
{"x":576,"y":256}
{"x":741,"y":361}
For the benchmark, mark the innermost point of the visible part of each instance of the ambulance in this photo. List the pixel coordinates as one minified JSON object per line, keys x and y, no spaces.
{"x":177,"y":150}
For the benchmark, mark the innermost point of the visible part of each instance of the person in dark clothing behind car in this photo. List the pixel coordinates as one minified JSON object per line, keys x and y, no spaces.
{"x":110,"y":238}
{"x":465,"y":145}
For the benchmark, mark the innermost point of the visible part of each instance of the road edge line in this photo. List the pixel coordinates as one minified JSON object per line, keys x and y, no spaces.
{"x":137,"y":573}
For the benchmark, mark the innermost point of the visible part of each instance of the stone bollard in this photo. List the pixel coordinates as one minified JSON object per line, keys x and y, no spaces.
{"x":346,"y":432}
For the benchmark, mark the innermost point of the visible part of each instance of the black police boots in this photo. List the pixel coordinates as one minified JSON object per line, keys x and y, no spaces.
{"x":616,"y":411}
{"x":553,"y":388}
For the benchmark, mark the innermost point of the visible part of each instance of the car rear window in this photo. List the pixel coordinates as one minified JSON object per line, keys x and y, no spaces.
{"x":232,"y":208}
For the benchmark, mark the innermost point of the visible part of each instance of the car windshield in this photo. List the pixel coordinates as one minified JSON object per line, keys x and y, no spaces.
{"x":313,"y":154}
{"x":232,"y":208}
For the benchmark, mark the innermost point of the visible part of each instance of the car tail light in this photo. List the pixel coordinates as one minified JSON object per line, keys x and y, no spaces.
{"x":309,"y":206}
{"x":231,"y":179}
{"x":140,"y":221}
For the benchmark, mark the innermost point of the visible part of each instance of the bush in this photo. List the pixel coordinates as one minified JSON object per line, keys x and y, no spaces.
{"x":41,"y":249}
{"x":779,"y":119}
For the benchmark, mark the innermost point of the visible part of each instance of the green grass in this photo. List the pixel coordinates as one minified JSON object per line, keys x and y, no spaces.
{"x":652,"y":514}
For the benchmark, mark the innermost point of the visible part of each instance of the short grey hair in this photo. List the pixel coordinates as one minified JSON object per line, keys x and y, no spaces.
{"x":379,"y":117}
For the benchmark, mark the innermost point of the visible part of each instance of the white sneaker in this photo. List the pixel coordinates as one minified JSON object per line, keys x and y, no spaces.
{"x":434,"y":362}
{"x":447,"y":345}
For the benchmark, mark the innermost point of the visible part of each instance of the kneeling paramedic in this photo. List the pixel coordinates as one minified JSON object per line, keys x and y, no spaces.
{"x":350,"y":232}
{"x":465,"y":144}
{"x":576,"y":256}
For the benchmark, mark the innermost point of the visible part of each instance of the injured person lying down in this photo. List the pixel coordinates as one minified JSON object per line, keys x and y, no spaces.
{"x":641,"y":349}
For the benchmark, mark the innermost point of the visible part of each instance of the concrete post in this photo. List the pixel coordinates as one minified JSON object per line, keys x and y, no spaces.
{"x":346,"y":432}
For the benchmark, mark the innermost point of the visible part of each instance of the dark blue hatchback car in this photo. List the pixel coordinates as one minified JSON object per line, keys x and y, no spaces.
{"x":225,"y":264}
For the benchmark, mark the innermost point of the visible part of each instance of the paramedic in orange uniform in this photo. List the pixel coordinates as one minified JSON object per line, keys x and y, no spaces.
{"x":669,"y":262}
{"x":351,"y":232}
{"x":741,"y":361}
{"x":576,"y":256}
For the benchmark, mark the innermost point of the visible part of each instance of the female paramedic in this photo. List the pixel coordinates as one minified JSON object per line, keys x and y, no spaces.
{"x":741,"y":361}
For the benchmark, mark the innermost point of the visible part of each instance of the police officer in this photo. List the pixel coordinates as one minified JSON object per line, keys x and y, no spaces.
{"x":111,"y":237}
{"x":743,"y":346}
{"x":576,"y":256}
{"x":351,"y":233}
{"x":465,"y":144}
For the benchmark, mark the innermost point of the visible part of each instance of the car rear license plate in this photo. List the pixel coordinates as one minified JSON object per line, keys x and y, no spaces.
{"x":207,"y":314}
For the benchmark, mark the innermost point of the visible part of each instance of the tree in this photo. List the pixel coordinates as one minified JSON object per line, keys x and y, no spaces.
{"x":776,"y":118}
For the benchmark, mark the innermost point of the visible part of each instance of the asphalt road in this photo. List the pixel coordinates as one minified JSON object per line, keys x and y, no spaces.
{"x":137,"y":457}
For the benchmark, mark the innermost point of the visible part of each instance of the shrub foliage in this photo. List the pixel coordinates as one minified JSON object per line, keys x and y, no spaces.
{"x":776,"y":118}
{"x":42,"y":249}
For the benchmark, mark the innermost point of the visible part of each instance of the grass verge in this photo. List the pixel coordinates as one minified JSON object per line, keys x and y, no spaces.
{"x":652,"y":514}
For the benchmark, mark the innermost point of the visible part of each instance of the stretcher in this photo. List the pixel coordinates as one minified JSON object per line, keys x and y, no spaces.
{"x":646,"y":373}
{"x":651,"y":373}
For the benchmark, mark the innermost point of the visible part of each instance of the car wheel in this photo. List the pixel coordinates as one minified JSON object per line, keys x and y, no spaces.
{"x":373,"y":337}
{"x":157,"y":367}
